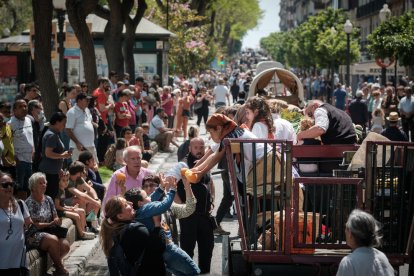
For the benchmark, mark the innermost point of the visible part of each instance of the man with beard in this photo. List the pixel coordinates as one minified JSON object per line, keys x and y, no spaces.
{"x":197,"y":227}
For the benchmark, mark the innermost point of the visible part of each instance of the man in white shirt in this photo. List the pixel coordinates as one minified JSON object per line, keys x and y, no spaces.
{"x":159,"y":133}
{"x":220,"y":93}
{"x":21,"y":127}
{"x":79,"y":128}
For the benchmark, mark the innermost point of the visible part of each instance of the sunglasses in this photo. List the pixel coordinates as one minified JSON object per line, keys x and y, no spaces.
{"x":6,"y":185}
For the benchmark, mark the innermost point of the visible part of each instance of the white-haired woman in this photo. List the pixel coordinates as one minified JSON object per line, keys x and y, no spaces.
{"x":43,"y":213}
{"x":362,"y":235}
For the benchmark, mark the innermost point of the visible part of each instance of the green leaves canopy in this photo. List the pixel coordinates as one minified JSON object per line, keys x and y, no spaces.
{"x":312,"y":44}
{"x":394,"y":38}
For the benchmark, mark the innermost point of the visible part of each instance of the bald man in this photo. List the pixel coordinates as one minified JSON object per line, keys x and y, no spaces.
{"x":197,"y":228}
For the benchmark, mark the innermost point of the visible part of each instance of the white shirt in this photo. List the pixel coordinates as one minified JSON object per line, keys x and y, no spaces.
{"x":13,"y":249}
{"x":247,"y":152}
{"x":22,"y":138}
{"x":406,"y":104}
{"x":80,"y":121}
{"x":365,"y":261}
{"x":283,"y":129}
{"x":260,"y":130}
{"x":321,"y":118}
{"x":155,"y":124}
{"x":220,"y":93}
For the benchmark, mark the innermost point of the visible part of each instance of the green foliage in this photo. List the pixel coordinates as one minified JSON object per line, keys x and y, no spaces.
{"x":312,"y":44}
{"x":189,"y":50}
{"x":15,"y":15}
{"x":394,"y":38}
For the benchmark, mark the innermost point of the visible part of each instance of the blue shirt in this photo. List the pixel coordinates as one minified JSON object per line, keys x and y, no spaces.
{"x":340,"y":96}
{"x":154,"y":208}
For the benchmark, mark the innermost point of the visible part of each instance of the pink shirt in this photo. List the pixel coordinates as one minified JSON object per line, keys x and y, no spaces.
{"x":168,"y":103}
{"x":131,"y":182}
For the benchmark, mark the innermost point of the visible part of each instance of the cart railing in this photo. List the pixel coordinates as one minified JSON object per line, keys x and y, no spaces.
{"x":269,"y":205}
{"x":275,"y":229}
{"x":389,"y":195}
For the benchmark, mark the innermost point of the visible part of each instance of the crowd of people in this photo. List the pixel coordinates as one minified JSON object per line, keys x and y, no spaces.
{"x":53,"y":165}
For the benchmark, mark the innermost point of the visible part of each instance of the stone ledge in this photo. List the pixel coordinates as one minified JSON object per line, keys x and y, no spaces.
{"x":78,"y":258}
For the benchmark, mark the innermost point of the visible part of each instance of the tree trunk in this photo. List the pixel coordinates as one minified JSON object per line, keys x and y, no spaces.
{"x":130,"y":28}
{"x":77,"y":12}
{"x":42,"y":17}
{"x":113,"y":38}
{"x":226,"y":35}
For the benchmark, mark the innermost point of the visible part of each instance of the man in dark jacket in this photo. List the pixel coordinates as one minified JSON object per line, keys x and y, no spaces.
{"x":333,"y":125}
{"x":358,"y":110}
{"x":392,"y":132}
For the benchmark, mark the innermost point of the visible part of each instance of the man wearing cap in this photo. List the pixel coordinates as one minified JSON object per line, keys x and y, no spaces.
{"x":406,"y":108}
{"x":333,"y":125}
{"x":80,"y":129}
{"x":358,"y":110}
{"x":392,"y":132}
{"x":162,"y":135}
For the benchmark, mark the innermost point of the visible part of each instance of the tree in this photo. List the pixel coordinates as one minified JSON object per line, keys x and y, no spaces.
{"x":113,"y":33}
{"x":77,"y":13}
{"x":231,"y":24}
{"x":189,"y":49}
{"x":15,"y":15}
{"x":394,"y":38}
{"x":311,"y":45}
{"x":131,"y":25}
{"x":119,"y":48}
{"x":42,"y":16}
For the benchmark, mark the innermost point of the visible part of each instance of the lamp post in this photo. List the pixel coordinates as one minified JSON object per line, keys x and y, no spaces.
{"x":60,"y":6}
{"x":384,"y":15}
{"x":348,"y":30}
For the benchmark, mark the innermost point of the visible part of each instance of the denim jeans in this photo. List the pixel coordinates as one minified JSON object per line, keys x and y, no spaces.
{"x":23,"y":173}
{"x":178,"y":262}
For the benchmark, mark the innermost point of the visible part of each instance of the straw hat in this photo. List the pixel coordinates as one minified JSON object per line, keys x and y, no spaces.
{"x":393,"y":117}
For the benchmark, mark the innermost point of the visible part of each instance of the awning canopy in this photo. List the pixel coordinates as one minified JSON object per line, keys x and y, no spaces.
{"x":286,"y":77}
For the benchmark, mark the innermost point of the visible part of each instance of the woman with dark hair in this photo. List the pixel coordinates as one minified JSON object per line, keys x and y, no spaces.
{"x":235,"y":89}
{"x":134,"y":239}
{"x":204,"y":98}
{"x":13,"y":218}
{"x":96,"y":117}
{"x":362,"y":234}
{"x":53,"y":153}
{"x":69,"y":95}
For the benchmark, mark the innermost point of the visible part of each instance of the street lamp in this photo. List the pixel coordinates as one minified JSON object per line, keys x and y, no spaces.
{"x":60,"y":6}
{"x":348,"y":30}
{"x":384,"y":15}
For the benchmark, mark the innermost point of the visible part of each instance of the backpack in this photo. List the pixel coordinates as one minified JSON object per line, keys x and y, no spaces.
{"x":117,"y":261}
{"x":110,"y":156}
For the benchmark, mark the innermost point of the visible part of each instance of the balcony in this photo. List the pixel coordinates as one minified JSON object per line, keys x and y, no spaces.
{"x":371,"y":8}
